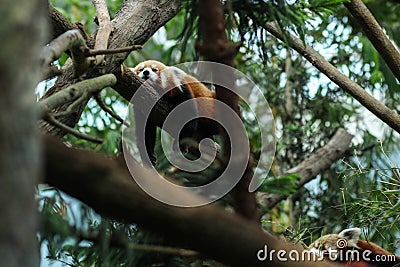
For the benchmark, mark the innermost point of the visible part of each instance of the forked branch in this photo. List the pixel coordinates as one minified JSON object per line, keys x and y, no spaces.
{"x":85,"y":88}
{"x":71,"y":40}
{"x":74,"y":94}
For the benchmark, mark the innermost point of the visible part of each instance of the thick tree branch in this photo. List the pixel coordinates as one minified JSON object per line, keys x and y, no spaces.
{"x":60,"y":24}
{"x":376,"y":35}
{"x":319,"y":161}
{"x":137,"y":21}
{"x":107,"y":186}
{"x":104,"y":31}
{"x":50,"y":72}
{"x":390,"y":117}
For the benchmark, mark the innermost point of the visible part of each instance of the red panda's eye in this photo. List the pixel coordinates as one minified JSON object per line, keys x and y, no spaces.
{"x":154,"y":69}
{"x":141,"y":69}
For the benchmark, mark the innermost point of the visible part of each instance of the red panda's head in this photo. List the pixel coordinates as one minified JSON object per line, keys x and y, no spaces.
{"x":149,"y":69}
{"x":346,"y":239}
{"x":349,"y":249}
{"x":167,"y":78}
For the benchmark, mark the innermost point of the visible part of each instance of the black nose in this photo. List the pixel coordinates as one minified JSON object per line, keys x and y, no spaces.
{"x":146,"y":73}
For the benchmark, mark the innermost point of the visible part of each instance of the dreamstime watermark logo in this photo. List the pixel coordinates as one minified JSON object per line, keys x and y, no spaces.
{"x":339,"y":252}
{"x":265,"y":254}
{"x":258,"y":111}
{"x":341,"y":243}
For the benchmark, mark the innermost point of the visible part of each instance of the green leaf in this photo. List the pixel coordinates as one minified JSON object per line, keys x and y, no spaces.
{"x":283,"y":185}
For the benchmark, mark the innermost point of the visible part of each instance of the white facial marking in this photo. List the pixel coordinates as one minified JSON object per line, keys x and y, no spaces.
{"x":147,"y":73}
{"x":352,"y":236}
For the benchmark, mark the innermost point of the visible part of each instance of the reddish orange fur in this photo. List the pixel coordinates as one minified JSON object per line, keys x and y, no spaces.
{"x":351,"y":236}
{"x":204,"y":97}
{"x":179,"y":87}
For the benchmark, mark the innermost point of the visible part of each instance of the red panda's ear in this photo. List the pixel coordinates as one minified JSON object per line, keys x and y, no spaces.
{"x":352,"y":234}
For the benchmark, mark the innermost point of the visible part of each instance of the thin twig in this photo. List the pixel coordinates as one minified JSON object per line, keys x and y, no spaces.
{"x":53,"y":121}
{"x":104,"y":30}
{"x":108,"y":110}
{"x":113,"y":51}
{"x":118,"y":241}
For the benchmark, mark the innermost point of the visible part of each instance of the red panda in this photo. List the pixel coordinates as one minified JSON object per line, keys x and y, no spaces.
{"x":180,"y":87}
{"x":347,"y":248}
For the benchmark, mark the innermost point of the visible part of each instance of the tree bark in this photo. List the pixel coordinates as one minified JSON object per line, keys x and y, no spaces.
{"x":376,"y":35}
{"x":22,"y":27}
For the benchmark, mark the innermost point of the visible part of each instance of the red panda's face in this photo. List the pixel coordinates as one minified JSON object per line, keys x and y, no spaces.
{"x":333,"y":243}
{"x":346,"y":247}
{"x":149,"y":69}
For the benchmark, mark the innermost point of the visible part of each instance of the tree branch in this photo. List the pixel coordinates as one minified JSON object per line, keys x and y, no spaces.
{"x":104,"y":31}
{"x":108,"y":110}
{"x":137,"y":21}
{"x":319,"y":161}
{"x":390,"y":117}
{"x":122,"y":242}
{"x":376,"y":35}
{"x":114,"y":51}
{"x":84,"y":88}
{"x":97,"y":180}
{"x":50,"y":72}
{"x":60,"y":24}
{"x":289,"y":84}
{"x":53,"y":121}
{"x":73,"y":41}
